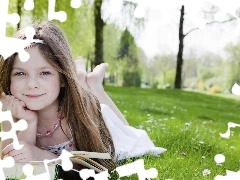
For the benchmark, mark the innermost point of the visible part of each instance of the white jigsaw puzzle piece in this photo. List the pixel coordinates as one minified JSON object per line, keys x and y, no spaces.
{"x":228,"y":133}
{"x":5,"y":17}
{"x":192,"y":8}
{"x":75,"y":3}
{"x":14,"y":45}
{"x":28,"y":171}
{"x":61,"y":15}
{"x":20,"y":125}
{"x":87,"y":173}
{"x":230,"y":175}
{"x":64,"y":159}
{"x":5,"y":163}
{"x":28,"y":5}
{"x":226,"y":7}
{"x":236,"y":88}
{"x":137,"y":167}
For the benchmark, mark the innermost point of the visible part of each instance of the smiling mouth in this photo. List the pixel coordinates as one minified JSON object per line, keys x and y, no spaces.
{"x":33,"y":96}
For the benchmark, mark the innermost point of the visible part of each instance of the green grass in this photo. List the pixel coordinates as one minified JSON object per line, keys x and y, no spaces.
{"x":190,"y":149}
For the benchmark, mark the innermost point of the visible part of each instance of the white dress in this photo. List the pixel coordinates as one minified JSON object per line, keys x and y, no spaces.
{"x":128,"y":141}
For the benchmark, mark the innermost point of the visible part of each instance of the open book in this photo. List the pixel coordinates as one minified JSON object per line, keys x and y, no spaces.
{"x":86,"y":159}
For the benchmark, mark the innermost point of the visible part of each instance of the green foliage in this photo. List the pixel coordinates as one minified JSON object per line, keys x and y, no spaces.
{"x":161,"y":71}
{"x":131,"y":79}
{"x":212,"y":76}
{"x":187,"y":124}
{"x":111,"y":45}
{"x":169,"y":78}
{"x":206,"y":73}
{"x":128,"y":51}
{"x":127,"y":44}
{"x":233,"y":64}
{"x":80,"y":32}
{"x":78,"y":28}
{"x":39,"y":13}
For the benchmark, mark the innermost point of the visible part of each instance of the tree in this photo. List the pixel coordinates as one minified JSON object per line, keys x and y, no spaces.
{"x":79,"y":28}
{"x":128,"y":52}
{"x":178,"y":77}
{"x":233,"y":74}
{"x":99,"y":25}
{"x":161,"y":71}
{"x":112,"y":35}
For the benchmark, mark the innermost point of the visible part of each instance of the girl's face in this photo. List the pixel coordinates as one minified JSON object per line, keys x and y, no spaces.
{"x":35,"y":81}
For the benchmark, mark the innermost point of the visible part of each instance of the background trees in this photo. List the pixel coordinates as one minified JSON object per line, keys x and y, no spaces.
{"x":115,"y":41}
{"x":128,"y":52}
{"x":233,"y":64}
{"x":99,"y":25}
{"x":161,"y":71}
{"x":208,"y":14}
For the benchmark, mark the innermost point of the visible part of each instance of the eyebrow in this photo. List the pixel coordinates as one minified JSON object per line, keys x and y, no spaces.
{"x":44,"y":67}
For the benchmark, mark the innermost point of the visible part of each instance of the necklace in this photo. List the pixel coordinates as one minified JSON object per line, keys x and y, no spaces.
{"x":55,"y":127}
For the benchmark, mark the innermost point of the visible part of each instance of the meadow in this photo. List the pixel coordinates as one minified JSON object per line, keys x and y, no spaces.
{"x":187,"y":124}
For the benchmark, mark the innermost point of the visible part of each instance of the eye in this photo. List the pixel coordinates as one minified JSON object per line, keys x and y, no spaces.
{"x":45,"y":73}
{"x":19,"y":74}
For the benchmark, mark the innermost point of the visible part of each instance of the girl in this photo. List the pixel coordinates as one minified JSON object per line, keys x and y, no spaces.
{"x":50,"y":92}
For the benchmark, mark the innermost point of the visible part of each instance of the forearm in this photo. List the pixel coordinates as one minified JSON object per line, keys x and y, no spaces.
{"x":28,"y":135}
{"x":27,"y":153}
{"x":48,"y":155}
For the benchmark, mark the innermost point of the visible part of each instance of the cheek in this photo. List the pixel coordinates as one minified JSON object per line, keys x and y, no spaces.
{"x":53,"y":85}
{"x":15,"y":87}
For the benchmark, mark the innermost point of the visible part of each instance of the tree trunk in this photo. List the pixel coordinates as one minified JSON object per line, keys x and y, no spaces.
{"x":99,"y":25}
{"x":178,"y":78}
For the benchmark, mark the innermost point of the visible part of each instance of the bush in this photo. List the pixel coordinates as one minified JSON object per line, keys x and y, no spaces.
{"x":215,"y":89}
{"x":131,"y":79}
{"x":201,"y":85}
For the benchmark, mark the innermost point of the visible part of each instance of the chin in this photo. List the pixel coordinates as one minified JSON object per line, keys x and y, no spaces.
{"x":34,"y":107}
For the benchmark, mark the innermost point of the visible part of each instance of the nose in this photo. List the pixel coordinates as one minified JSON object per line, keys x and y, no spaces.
{"x":32,"y":83}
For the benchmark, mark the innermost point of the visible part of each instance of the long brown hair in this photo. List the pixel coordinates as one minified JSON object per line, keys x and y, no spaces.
{"x":81,"y":108}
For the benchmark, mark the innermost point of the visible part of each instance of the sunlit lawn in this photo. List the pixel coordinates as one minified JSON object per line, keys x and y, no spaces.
{"x":188,"y":125}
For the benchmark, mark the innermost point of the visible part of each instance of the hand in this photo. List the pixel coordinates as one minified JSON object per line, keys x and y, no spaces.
{"x":17,"y":108}
{"x":28,"y":153}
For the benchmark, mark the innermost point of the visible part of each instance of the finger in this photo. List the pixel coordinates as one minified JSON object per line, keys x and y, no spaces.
{"x":10,"y":103}
{"x":17,"y":156}
{"x":23,"y":104}
{"x":16,"y":108}
{"x":7,"y":149}
{"x":3,"y":99}
{"x":19,"y":109}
